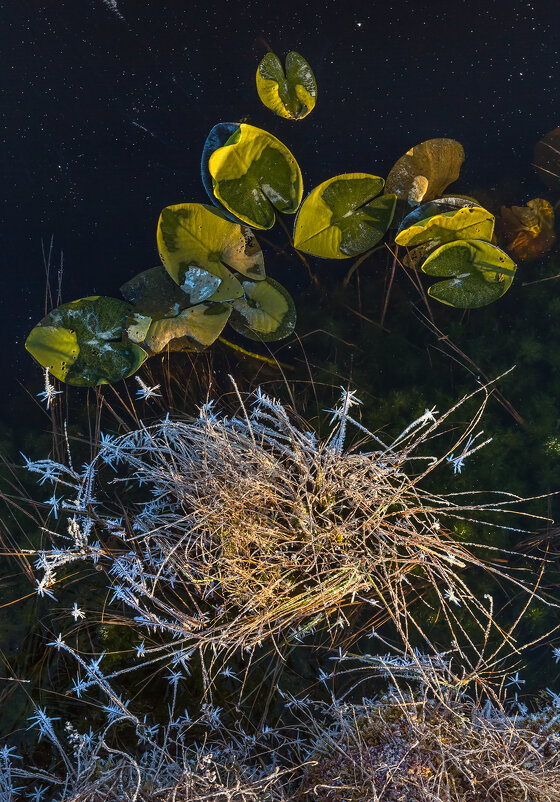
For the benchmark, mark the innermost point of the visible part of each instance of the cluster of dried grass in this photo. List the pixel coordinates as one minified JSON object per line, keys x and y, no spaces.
{"x":435,"y":743}
{"x":252,"y":528}
{"x":228,"y":532}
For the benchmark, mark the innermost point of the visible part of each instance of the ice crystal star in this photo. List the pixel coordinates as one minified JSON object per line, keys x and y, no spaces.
{"x":145,"y":391}
{"x":58,"y":643}
{"x":515,"y":680}
{"x":38,"y":793}
{"x":452,"y":597}
{"x":44,"y":722}
{"x":77,"y":613}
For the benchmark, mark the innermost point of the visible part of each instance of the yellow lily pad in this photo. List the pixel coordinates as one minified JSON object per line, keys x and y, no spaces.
{"x":343,"y":216}
{"x":468,"y":222}
{"x":426,"y":170}
{"x":266,"y":312}
{"x":291,"y":93}
{"x":253,"y":174}
{"x":196,"y":327}
{"x":85,"y":343}
{"x":195,"y":244}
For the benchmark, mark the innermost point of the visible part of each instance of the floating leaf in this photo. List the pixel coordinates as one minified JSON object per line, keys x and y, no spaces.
{"x":195,"y":243}
{"x":253,"y":174}
{"x":84,"y":342}
{"x":266,"y":312}
{"x":414,"y":257}
{"x":478,"y":272}
{"x":425,"y":171}
{"x":217,"y":138}
{"x":153,"y":292}
{"x":53,"y":347}
{"x":193,"y":328}
{"x":435,"y":221}
{"x":137,"y":326}
{"x":547,"y":158}
{"x":342,"y":217}
{"x":291,"y":94}
{"x":529,"y":230}
{"x":449,"y":203}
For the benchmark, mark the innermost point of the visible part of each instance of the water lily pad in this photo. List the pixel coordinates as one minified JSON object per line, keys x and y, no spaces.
{"x":426,"y":170}
{"x":84,"y":342}
{"x":193,"y":328}
{"x":449,"y":203}
{"x":343,"y":216}
{"x":253,"y":174}
{"x":266,"y":312}
{"x":153,"y":292}
{"x":414,"y":257}
{"x":196,"y":243}
{"x":478,"y":272}
{"x":436,"y":221}
{"x":529,"y":230}
{"x":217,"y":138}
{"x":291,"y":94}
{"x":136,"y":327}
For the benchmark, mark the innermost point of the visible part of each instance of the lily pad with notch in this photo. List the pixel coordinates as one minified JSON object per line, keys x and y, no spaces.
{"x":153,"y":292}
{"x":344,"y":216}
{"x":253,"y":174}
{"x":445,"y":220}
{"x":291,"y":92}
{"x":194,"y":328}
{"x":197,"y":245}
{"x":217,"y":138}
{"x":426,"y":170}
{"x":477,"y":273}
{"x":84,"y":342}
{"x":266,"y":312}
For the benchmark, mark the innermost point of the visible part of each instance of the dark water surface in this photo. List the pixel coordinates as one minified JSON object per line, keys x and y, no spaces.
{"x":105,"y":107}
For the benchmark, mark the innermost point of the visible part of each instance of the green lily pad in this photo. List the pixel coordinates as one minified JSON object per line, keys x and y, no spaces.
{"x":466,"y":222}
{"x":343,"y":216}
{"x":193,"y":328}
{"x":84,"y":342}
{"x":153,"y":292}
{"x":266,"y":312}
{"x":426,"y":170}
{"x":253,"y":174}
{"x":136,"y":327}
{"x":479,"y":273}
{"x":217,"y":138}
{"x":196,"y":243}
{"x":291,"y":94}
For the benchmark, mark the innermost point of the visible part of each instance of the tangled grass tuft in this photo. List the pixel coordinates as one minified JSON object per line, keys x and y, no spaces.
{"x":434,"y":744}
{"x":220,"y":533}
{"x":235,"y":530}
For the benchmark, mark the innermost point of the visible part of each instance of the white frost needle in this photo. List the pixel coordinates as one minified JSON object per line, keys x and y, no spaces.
{"x":145,"y":391}
{"x":49,"y":393}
